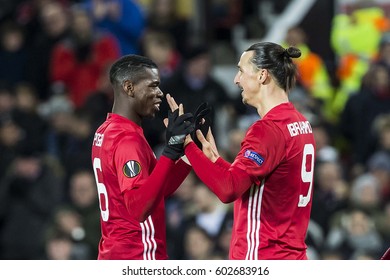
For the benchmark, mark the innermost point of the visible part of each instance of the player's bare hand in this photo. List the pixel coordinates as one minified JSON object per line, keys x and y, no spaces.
{"x":209,"y":147}
{"x":187,"y":140}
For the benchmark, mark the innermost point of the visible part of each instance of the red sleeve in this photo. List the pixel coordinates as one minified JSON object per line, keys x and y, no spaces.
{"x":226,"y":181}
{"x":176,"y":176}
{"x":223,"y":163}
{"x":145,"y":188}
{"x":142,"y":199}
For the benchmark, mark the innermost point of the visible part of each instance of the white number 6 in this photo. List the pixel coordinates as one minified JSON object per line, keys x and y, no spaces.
{"x":101,"y":188}
{"x":307,"y":176}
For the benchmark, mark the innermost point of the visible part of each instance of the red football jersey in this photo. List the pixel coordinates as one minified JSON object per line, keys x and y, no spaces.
{"x":270,"y":182}
{"x":271,"y":218}
{"x":122,"y":159}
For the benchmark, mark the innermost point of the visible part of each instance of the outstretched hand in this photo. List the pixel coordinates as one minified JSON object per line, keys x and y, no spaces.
{"x":173,"y":106}
{"x":202,"y":121}
{"x":172,"y":103}
{"x":178,"y":126}
{"x":209,"y":147}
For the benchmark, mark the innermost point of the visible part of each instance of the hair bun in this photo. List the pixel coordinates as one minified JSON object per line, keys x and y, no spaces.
{"x":293,"y":52}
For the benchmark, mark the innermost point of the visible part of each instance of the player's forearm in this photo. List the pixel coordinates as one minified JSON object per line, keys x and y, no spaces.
{"x":228,"y":183}
{"x":142,"y":200}
{"x":176,"y":177}
{"x":223,"y":163}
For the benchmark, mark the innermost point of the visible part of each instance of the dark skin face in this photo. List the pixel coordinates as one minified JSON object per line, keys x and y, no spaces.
{"x":137,"y":100}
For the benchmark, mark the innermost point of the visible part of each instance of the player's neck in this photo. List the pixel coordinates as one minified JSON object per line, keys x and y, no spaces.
{"x":270,"y":99}
{"x":120,"y":109}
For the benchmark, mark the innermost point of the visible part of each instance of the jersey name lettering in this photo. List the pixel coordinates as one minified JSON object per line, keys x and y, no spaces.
{"x":98,"y":139}
{"x":297,"y":128}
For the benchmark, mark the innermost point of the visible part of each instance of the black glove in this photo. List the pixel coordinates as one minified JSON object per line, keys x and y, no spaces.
{"x":178,"y":128}
{"x":202,"y":112}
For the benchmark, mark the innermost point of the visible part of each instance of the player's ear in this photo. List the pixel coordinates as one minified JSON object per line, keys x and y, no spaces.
{"x":263,"y":75}
{"x":128,"y":87}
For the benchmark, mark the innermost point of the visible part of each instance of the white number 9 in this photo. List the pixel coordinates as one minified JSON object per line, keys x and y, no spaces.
{"x":307,"y":176}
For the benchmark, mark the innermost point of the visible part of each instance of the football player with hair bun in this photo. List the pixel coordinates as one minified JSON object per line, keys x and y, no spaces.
{"x":271,"y":179}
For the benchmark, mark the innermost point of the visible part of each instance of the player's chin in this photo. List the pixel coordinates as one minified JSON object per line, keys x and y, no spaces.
{"x":152,"y":112}
{"x":151,"y":115}
{"x":243,"y":99}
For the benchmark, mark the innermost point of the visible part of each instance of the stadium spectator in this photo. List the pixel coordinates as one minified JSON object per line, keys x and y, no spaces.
{"x":313,"y":74}
{"x":355,"y":39}
{"x":210,"y":214}
{"x":163,"y":16}
{"x":124,"y":19}
{"x":352,"y":232}
{"x":326,"y":151}
{"x":10,"y":133}
{"x":13,"y":53}
{"x":26,"y":116}
{"x":235,"y":137}
{"x":161,"y":48}
{"x":29,"y":193}
{"x":179,"y":208}
{"x":379,"y":166}
{"x":54,"y":21}
{"x":58,"y":246}
{"x":80,"y":59}
{"x":67,"y":227}
{"x":198,"y":245}
{"x":84,"y":200}
{"x":69,"y":138}
{"x":332,"y":192}
{"x":373,"y":99}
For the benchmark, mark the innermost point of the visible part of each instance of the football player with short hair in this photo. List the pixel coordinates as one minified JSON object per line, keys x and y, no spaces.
{"x":132,"y":184}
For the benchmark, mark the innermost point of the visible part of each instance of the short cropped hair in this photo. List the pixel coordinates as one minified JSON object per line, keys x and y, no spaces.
{"x":130,"y":67}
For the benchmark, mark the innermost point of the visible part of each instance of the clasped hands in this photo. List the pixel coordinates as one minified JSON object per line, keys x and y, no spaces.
{"x":183,"y":128}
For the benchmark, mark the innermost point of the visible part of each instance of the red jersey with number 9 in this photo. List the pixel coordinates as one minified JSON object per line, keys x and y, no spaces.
{"x":271,"y":218}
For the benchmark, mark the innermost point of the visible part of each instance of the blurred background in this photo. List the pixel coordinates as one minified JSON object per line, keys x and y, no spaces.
{"x":54,"y":92}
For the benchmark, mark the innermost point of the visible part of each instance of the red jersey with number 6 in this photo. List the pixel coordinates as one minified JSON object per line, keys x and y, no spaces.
{"x":122,"y":159}
{"x":271,"y":218}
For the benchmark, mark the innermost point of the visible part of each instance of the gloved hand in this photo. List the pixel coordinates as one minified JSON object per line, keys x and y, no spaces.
{"x":201,"y":113}
{"x":177,"y":130}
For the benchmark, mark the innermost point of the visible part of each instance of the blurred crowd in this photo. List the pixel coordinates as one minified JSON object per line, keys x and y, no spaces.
{"x":54,"y":92}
